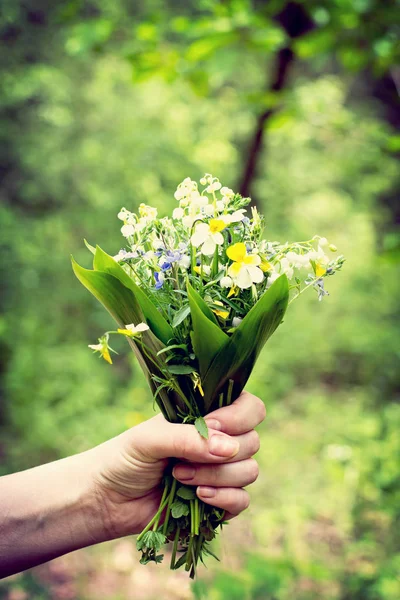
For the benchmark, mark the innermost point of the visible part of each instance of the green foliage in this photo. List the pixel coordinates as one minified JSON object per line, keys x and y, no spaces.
{"x":81,"y":141}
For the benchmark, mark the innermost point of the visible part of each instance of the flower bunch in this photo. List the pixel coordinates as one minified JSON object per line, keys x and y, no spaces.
{"x":197,"y":295}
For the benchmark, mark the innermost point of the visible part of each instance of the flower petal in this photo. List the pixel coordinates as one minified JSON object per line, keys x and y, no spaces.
{"x":255,"y":274}
{"x":209,"y":246}
{"x":237,"y":252}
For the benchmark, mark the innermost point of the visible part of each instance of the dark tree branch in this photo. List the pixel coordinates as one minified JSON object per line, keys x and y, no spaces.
{"x":296,"y":22}
{"x":284,"y":59}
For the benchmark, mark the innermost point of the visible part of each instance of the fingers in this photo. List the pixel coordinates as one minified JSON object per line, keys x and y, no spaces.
{"x":241,"y":416}
{"x":233,"y":500}
{"x":157,"y":439}
{"x":235,"y":474}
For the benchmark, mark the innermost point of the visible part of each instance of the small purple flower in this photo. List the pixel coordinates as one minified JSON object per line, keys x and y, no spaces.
{"x":159,"y":277}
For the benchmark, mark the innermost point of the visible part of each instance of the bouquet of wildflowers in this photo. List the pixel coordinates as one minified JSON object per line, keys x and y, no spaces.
{"x":197,"y":295}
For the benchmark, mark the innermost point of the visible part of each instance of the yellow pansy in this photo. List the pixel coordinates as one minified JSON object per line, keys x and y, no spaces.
{"x":245,"y":269}
{"x":208,"y":236}
{"x":224,"y":314}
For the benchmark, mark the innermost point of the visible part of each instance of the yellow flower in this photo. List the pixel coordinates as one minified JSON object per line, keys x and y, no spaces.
{"x":217,"y":225}
{"x":265,"y":266}
{"x":134,"y":330}
{"x":245,"y":269}
{"x":319,"y":270}
{"x":102,"y":348}
{"x":224,"y":314}
{"x":197,"y":383}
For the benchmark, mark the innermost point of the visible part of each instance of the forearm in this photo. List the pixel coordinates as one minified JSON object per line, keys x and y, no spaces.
{"x":48,"y":511}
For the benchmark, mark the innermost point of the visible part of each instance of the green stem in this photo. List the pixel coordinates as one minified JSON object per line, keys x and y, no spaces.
{"x":165,"y":492}
{"x":229,"y":393}
{"x":214,"y":268}
{"x":150,"y":523}
{"x":189,"y":553}
{"x":221,"y":400}
{"x":196,"y":516}
{"x":175,"y":548}
{"x":170,"y":501}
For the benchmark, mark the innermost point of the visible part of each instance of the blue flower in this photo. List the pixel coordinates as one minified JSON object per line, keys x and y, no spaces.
{"x":159,"y":277}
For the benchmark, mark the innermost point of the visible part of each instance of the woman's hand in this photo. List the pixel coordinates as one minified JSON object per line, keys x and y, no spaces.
{"x":131,"y":466}
{"x":114,"y":489}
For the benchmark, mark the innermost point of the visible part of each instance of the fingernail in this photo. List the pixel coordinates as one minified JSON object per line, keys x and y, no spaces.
{"x":223,"y":446}
{"x":214,"y":424}
{"x":184,"y":472}
{"x":206,"y":492}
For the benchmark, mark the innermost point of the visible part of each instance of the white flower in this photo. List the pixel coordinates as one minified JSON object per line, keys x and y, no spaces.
{"x":245,"y":269}
{"x":286,"y":267}
{"x":96,"y":347}
{"x":188,"y":221}
{"x":147,"y":212}
{"x":234,"y":217}
{"x":213,"y":187}
{"x":178,"y":213}
{"x":323,"y":241}
{"x":225,"y":191}
{"x":236,"y":321}
{"x":136,"y":329}
{"x":208,"y":236}
{"x":226,"y":282}
{"x":127,"y":230}
{"x":298,"y":260}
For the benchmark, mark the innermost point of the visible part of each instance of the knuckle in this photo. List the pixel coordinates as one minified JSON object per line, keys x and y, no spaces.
{"x":245,"y":500}
{"x":253,"y":470}
{"x":181,"y":444}
{"x":213,"y":474}
{"x":254,"y":442}
{"x":261,"y":410}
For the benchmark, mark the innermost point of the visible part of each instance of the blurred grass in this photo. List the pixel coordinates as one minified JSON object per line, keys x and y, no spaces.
{"x":324,"y":517}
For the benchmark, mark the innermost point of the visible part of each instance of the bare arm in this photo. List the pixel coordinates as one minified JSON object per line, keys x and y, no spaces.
{"x":113,"y":490}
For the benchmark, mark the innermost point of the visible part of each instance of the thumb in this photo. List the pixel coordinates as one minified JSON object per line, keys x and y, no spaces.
{"x":157,"y":439}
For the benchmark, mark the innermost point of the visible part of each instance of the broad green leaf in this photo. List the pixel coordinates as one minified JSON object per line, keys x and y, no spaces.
{"x":186,"y":492}
{"x":179,"y":509}
{"x":237,"y":358}
{"x":115,"y":297}
{"x":201,"y":427}
{"x":203,"y":306}
{"x":123,"y":306}
{"x":207,"y":337}
{"x":104,"y":263}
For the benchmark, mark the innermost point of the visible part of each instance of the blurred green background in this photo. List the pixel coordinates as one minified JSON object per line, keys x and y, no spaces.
{"x":109,"y":103}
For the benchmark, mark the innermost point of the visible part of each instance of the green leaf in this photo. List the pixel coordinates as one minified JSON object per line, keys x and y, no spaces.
{"x":187,"y":493}
{"x":179,"y":509}
{"x":201,"y":303}
{"x":237,"y":358}
{"x":207,"y":337}
{"x":201,"y":427}
{"x":90,"y":247}
{"x":157,"y":323}
{"x":123,"y":306}
{"x":180,"y":562}
{"x":181,"y":315}
{"x":115,"y":297}
{"x":180,"y":369}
